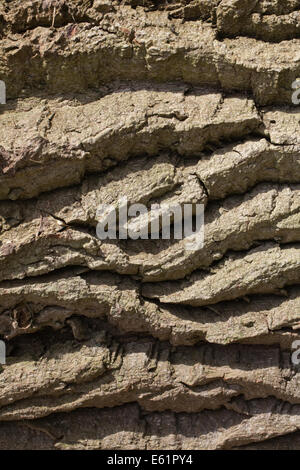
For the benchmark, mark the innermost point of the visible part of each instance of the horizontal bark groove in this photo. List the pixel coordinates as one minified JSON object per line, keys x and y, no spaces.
{"x":128,"y":427}
{"x":145,"y":46}
{"x":33,"y":305}
{"x":269,"y":22}
{"x":103,"y":372}
{"x":142,"y":121}
{"x":264,"y":269}
{"x":65,"y":223}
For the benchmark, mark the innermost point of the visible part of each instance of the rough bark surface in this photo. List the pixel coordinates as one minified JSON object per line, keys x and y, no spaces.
{"x":123,"y":344}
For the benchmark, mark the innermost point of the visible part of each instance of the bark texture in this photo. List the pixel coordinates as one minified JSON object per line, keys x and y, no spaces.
{"x":123,"y":344}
